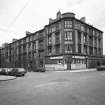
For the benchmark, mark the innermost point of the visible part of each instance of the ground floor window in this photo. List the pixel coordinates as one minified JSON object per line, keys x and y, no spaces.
{"x":81,"y":61}
{"x":77,"y":61}
{"x":59,"y":61}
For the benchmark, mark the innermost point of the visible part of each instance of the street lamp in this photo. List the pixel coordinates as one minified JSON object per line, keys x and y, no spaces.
{"x":69,"y":60}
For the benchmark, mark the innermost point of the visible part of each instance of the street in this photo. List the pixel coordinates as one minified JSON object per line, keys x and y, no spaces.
{"x":55,"y":88}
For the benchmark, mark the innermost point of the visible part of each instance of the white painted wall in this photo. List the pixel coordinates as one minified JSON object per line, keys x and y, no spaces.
{"x":56,"y":67}
{"x":78,"y":66}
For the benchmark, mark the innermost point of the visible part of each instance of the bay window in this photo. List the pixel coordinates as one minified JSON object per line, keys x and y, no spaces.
{"x":68,"y":35}
{"x":68,"y":24}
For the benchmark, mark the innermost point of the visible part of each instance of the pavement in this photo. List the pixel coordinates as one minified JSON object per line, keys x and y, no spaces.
{"x":82,"y":70}
{"x":6,"y":78}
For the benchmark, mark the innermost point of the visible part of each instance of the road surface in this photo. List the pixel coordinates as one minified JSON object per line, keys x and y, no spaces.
{"x":55,"y":88}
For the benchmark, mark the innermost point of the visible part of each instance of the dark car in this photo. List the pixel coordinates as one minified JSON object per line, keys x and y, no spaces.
{"x":17,"y":72}
{"x":38,"y":69}
{"x":100,"y":68}
{"x":41,"y":69}
{"x":10,"y":70}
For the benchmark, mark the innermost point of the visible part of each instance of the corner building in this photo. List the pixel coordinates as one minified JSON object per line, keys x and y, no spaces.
{"x":65,"y":43}
{"x":72,"y":43}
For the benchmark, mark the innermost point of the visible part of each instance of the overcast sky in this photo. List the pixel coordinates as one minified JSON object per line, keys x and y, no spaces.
{"x":17,"y":16}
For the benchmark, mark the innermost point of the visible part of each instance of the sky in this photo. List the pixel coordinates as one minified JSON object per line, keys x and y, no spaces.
{"x":19,"y":16}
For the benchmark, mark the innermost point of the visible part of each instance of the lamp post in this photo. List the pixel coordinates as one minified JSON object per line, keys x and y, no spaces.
{"x":69,"y":60}
{"x":86,"y":62}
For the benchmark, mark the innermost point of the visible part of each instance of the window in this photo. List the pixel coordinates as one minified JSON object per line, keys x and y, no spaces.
{"x":79,"y":48}
{"x":27,"y":39}
{"x":41,"y":54}
{"x":50,"y":29}
{"x":49,"y":50}
{"x":60,"y":61}
{"x":87,"y":30}
{"x":53,"y":29}
{"x":99,"y":43}
{"x":68,"y":24}
{"x":85,"y":38}
{"x":29,"y":47}
{"x":57,"y":26}
{"x":57,"y":49}
{"x":95,"y":51}
{"x":91,"y":41}
{"x":47,"y":32}
{"x":85,"y":49}
{"x":68,"y":35}
{"x":41,"y":44}
{"x":99,"y":51}
{"x":90,"y":50}
{"x":31,"y":38}
{"x":34,"y":46}
{"x":57,"y":37}
{"x":68,"y":48}
{"x":97,"y":34}
{"x":77,"y":25}
{"x":79,"y":37}
{"x":93,"y":32}
{"x":95,"y":42}
{"x":82,"y":28}
{"x":49,"y":39}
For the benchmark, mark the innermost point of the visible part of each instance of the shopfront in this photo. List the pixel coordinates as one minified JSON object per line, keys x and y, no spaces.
{"x":55,"y":63}
{"x":78,"y":62}
{"x":65,"y":62}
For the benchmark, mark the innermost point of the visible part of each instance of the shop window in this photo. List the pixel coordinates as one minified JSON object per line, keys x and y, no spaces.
{"x":79,"y":61}
{"x":60,"y":61}
{"x":66,"y":61}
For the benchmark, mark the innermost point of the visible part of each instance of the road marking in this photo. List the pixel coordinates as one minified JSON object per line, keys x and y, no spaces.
{"x":46,"y":84}
{"x":53,"y":84}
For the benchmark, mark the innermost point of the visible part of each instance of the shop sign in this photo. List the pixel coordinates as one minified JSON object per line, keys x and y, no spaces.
{"x":79,"y":57}
{"x":58,"y":57}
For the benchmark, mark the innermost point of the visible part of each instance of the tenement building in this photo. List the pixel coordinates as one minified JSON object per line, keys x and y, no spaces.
{"x":63,"y":44}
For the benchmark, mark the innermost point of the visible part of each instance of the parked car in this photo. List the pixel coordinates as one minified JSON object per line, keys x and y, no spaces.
{"x":41,"y":69}
{"x":0,"y":70}
{"x":101,"y":68}
{"x":4,"y":71}
{"x":17,"y":72}
{"x":10,"y":71}
{"x":38,"y":69}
